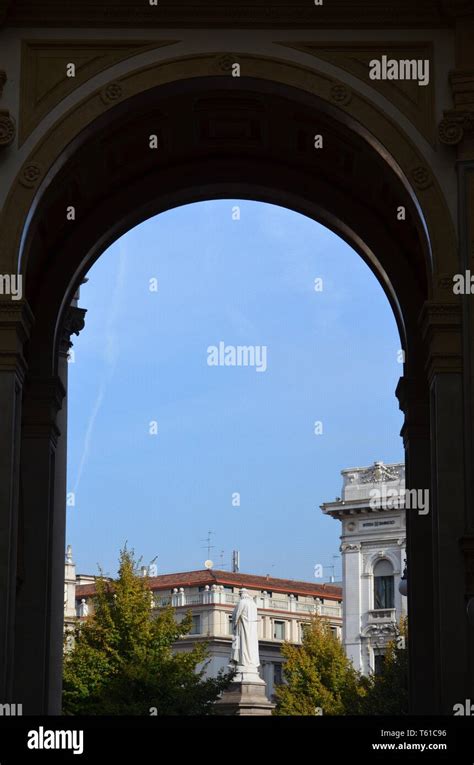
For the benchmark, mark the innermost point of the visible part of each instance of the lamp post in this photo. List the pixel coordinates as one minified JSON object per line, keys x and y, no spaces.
{"x":403,"y":586}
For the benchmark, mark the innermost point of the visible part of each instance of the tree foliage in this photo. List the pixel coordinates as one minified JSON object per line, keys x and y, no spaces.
{"x":123,"y":661}
{"x":319,"y":678}
{"x":387,"y":692}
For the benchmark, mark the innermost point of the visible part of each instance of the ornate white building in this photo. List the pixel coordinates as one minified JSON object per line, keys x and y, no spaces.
{"x":373,"y":540}
{"x":284,"y":607}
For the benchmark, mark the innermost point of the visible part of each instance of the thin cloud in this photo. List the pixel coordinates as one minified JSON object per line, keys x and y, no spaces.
{"x":111,"y":354}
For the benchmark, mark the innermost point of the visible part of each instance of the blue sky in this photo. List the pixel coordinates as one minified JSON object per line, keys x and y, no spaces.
{"x":142,"y":358}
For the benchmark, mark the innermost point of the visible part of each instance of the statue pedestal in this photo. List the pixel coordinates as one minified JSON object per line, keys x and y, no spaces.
{"x":245,"y":697}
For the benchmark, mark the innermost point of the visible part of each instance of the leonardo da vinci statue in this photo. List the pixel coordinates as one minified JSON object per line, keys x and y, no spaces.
{"x":245,"y":638}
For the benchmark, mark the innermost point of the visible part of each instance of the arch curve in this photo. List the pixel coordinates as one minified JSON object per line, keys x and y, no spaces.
{"x":259,"y":132}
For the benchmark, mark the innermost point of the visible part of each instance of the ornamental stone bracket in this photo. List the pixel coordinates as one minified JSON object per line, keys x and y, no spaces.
{"x":7,"y":124}
{"x":413,"y":400}
{"x":74,"y":323}
{"x":458,"y":123}
{"x":7,"y":129}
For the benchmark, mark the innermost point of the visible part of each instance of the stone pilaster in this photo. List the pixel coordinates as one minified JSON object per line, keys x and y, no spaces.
{"x":40,"y":599}
{"x":413,"y":398}
{"x":15,"y":325}
{"x":441,"y":325}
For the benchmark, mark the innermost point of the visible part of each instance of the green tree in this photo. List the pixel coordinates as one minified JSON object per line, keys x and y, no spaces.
{"x":319,"y":678}
{"x":387,"y":692}
{"x":123,"y":662}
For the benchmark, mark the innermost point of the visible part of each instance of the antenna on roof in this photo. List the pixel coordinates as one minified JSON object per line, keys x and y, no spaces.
{"x":235,"y":561}
{"x":208,"y":543}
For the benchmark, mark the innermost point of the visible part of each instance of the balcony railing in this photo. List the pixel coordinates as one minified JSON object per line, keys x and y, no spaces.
{"x":216,"y":597}
{"x":382,"y":616}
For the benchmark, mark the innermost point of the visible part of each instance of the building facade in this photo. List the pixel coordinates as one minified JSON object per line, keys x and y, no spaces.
{"x":373,"y":547}
{"x":284,"y":606}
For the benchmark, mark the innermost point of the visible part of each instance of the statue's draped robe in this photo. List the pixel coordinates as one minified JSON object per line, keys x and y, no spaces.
{"x":245,"y":620}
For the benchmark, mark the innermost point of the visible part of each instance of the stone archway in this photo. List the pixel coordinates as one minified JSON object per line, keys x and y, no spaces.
{"x":218,"y":137}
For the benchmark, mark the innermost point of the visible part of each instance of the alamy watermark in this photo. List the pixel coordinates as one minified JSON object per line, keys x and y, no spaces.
{"x":465,"y":709}
{"x":392,"y":499}
{"x":56,"y":739}
{"x":11,"y":710}
{"x":11,"y":284}
{"x":400,"y":69}
{"x":223,"y":355}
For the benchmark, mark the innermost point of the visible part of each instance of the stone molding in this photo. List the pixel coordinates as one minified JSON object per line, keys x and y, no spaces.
{"x":441,"y":326}
{"x":418,"y":104}
{"x":357,"y":107}
{"x":224,"y":14}
{"x":42,"y":404}
{"x":16,"y":321}
{"x":44,"y":82}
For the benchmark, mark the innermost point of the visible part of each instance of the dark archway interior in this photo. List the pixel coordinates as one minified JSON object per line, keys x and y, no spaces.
{"x":248,"y":139}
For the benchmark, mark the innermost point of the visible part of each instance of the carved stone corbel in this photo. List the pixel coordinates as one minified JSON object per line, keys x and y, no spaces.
{"x":74,"y":322}
{"x":458,"y":123}
{"x":7,"y":129}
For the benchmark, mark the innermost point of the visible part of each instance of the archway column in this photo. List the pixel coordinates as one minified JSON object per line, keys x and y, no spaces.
{"x":413,"y":396}
{"x":441,"y":326}
{"x":40,"y":538}
{"x":15,"y":325}
{"x":465,"y":167}
{"x":40,"y":604}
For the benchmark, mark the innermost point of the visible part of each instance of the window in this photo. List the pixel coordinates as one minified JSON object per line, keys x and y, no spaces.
{"x":279,"y":630}
{"x":196,"y":628}
{"x":303,"y":627}
{"x":334,"y":631}
{"x":229,"y":625}
{"x":379,"y":659}
{"x":277,"y":674}
{"x":384,"y":595}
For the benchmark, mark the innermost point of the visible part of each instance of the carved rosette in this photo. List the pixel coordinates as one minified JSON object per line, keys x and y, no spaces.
{"x":455,"y":127}
{"x":225,"y":63}
{"x":7,"y":129}
{"x":30,"y":175}
{"x":421,"y":177}
{"x":340,"y":94}
{"x":112,"y":93}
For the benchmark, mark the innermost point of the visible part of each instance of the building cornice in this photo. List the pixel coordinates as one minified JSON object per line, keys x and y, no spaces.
{"x":224,"y":14}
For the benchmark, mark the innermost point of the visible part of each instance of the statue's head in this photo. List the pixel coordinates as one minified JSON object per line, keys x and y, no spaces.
{"x":244,"y":593}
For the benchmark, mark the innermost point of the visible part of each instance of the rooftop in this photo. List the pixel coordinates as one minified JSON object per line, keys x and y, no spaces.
{"x":252,"y":581}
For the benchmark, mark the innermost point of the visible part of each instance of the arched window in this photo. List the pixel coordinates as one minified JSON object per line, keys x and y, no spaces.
{"x":384,"y":596}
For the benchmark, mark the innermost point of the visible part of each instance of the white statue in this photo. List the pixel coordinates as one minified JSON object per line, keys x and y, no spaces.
{"x":245,"y":637}
{"x":84,"y":608}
